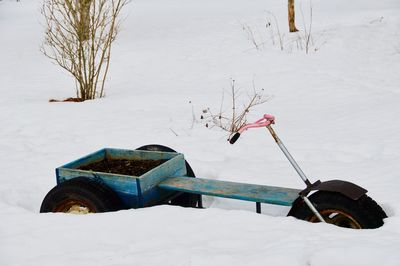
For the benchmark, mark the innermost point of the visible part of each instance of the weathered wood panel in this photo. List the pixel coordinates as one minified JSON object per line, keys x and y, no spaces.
{"x":241,"y":191}
{"x":138,"y":155}
{"x":172,"y":167}
{"x":125,"y":186}
{"x":90,"y":158}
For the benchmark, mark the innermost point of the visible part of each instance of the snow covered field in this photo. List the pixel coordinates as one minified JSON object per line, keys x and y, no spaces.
{"x":337,"y":112}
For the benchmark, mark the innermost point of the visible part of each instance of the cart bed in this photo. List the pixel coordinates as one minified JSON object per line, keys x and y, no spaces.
{"x":134,"y":191}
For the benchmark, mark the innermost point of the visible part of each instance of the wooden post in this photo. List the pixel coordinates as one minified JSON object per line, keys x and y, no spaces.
{"x":292,"y":26}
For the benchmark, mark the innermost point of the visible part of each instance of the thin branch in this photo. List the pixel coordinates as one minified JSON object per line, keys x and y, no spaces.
{"x":238,"y":117}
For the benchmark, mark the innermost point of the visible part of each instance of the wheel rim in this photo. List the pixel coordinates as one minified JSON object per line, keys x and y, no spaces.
{"x":74,"y":207}
{"x":338,"y":218}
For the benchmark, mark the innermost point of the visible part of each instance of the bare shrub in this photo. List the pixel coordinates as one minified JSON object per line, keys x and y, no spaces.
{"x":78,"y":38}
{"x":302,"y":40}
{"x":233,"y":115}
{"x":275,"y":33}
{"x":306,"y":38}
{"x":251,"y":36}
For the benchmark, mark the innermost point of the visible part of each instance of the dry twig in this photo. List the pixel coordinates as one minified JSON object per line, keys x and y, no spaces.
{"x":231,"y":121}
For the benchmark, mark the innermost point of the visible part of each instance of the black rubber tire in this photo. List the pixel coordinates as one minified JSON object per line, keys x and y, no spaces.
{"x":363,"y":213}
{"x":90,"y":193}
{"x":184,"y":199}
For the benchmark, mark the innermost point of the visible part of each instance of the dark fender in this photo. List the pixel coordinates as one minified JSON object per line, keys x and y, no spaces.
{"x":348,"y":189}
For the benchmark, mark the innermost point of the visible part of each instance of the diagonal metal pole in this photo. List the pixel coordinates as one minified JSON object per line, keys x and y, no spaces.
{"x":298,"y":170}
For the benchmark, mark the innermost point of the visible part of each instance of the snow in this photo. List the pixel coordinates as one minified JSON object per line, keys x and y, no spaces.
{"x":337,"y":112}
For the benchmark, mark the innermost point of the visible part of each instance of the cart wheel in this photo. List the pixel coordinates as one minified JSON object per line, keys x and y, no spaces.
{"x":81,"y":195}
{"x":184,"y":199}
{"x":339,"y":210}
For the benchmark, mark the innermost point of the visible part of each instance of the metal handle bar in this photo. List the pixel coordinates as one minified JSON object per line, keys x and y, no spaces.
{"x":266,"y":121}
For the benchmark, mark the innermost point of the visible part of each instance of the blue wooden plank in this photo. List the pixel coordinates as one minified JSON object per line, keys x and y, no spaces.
{"x":90,"y":158}
{"x":225,"y":189}
{"x":136,"y":154}
{"x":173,"y":167}
{"x":156,"y":196}
{"x":119,"y":183}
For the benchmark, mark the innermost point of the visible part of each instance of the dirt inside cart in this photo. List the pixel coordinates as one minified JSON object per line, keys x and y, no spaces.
{"x":123,"y":167}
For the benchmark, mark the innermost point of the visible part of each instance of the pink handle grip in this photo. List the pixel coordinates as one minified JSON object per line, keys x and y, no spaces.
{"x":266,"y":120}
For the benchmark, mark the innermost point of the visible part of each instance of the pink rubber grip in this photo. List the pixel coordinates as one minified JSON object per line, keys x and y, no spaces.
{"x":266,"y":120}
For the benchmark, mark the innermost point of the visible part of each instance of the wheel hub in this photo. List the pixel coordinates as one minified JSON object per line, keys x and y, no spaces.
{"x":74,"y":207}
{"x":338,"y":218}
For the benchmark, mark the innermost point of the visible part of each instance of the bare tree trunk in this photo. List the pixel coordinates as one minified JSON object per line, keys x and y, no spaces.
{"x":292,"y":27}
